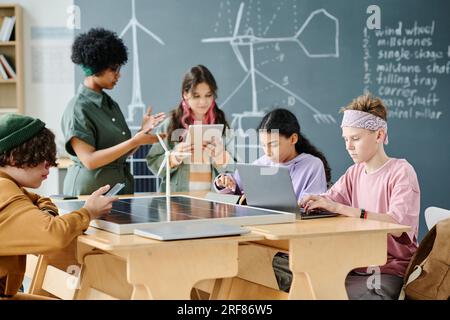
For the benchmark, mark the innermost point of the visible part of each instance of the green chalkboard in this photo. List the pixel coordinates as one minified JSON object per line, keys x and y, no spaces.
{"x":311,"y":57}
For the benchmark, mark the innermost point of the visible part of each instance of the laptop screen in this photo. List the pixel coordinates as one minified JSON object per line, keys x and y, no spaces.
{"x":268,"y":187}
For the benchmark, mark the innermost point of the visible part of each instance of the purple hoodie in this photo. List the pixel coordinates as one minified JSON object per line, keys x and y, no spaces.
{"x":306,"y":171}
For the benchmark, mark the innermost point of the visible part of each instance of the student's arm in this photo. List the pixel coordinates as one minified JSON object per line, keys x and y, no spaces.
{"x":156,"y":156}
{"x":356,"y":213}
{"x":341,"y":191}
{"x":404,"y":204}
{"x":27,"y":229}
{"x":43,"y":203}
{"x":311,"y":202}
{"x":337,"y":200}
{"x":93,"y":159}
{"x":24,"y":228}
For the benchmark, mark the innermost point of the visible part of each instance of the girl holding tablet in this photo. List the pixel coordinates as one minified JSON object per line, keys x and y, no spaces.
{"x":197,"y":106}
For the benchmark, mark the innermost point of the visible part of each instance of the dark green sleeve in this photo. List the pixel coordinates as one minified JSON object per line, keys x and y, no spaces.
{"x":77,"y":123}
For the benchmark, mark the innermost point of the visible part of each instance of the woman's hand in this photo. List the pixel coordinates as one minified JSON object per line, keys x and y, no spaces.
{"x":97,"y":204}
{"x":149,"y":121}
{"x":311,"y":202}
{"x":143,"y":137}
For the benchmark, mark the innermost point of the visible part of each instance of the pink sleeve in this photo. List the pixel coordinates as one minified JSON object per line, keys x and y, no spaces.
{"x":340,"y":191}
{"x":404,"y":205}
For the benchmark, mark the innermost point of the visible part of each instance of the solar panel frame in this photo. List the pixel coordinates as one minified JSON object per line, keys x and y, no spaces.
{"x":133,"y":213}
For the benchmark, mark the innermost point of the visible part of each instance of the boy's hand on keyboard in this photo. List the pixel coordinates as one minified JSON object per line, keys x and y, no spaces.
{"x":312,"y":202}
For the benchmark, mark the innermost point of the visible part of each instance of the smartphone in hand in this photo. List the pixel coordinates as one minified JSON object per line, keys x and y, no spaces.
{"x":115,"y":190}
{"x":62,"y":197}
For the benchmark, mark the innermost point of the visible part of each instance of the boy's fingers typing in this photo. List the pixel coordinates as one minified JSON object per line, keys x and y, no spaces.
{"x":305,"y":200}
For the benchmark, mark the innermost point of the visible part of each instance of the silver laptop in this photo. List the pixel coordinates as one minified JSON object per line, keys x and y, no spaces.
{"x":179,"y":231}
{"x":271,"y":187}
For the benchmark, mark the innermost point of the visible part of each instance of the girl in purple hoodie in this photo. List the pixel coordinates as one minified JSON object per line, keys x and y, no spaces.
{"x":283,"y":144}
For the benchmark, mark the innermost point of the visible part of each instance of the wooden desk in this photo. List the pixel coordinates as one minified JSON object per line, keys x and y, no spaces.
{"x":154,"y":269}
{"x":150,"y":269}
{"x":323,"y":251}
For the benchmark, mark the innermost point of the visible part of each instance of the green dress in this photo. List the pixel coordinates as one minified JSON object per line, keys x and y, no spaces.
{"x":96,"y":119}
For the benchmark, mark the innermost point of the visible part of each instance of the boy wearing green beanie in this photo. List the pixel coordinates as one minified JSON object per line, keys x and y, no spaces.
{"x":30,"y":223}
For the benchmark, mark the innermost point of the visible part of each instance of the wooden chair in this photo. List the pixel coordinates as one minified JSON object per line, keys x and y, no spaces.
{"x":55,"y":274}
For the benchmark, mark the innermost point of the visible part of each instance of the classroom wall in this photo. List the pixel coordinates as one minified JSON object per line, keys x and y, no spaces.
{"x":335,"y":59}
{"x":49,"y":73}
{"x":323,"y":82}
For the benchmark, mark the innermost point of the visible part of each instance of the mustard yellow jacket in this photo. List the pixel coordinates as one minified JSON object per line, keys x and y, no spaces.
{"x":30,"y":224}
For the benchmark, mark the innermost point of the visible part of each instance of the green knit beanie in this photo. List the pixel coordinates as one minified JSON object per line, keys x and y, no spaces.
{"x":16,"y":129}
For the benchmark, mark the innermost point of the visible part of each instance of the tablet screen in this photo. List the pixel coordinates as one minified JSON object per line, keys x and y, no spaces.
{"x":199,"y":133}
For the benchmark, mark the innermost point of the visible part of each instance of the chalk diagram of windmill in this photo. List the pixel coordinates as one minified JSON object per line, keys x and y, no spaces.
{"x":248,"y":39}
{"x":136,"y":108}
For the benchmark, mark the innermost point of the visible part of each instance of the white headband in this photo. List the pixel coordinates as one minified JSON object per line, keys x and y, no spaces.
{"x":364,"y":120}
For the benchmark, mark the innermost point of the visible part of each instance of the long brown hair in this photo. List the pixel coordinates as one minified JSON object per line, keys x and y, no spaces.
{"x":195,"y":76}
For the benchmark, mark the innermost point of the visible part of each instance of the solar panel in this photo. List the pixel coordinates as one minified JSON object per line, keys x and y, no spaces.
{"x":128,"y":214}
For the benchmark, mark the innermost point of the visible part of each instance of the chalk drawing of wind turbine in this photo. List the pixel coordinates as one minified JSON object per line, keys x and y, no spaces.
{"x":136,"y":99}
{"x":250,"y":40}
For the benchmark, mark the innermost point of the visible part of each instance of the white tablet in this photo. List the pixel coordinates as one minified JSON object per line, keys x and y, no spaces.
{"x":199,"y":133}
{"x":178,"y":231}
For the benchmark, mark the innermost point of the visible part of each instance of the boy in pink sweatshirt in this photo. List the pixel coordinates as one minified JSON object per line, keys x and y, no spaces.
{"x":376,"y":187}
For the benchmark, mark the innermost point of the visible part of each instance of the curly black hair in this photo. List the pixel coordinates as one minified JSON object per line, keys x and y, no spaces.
{"x":32,"y":152}
{"x":99,"y":49}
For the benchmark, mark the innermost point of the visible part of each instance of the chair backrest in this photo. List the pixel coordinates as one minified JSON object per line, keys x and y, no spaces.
{"x":49,"y":275}
{"x":434,"y":214}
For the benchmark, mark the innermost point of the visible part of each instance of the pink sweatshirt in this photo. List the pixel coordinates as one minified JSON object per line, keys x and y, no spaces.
{"x":393,"y":189}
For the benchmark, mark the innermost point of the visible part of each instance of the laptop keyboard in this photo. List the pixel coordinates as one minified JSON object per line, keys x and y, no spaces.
{"x":315,"y":214}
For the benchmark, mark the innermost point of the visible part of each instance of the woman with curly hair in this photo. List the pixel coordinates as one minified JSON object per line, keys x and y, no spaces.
{"x":197,"y":105}
{"x":96,"y":134}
